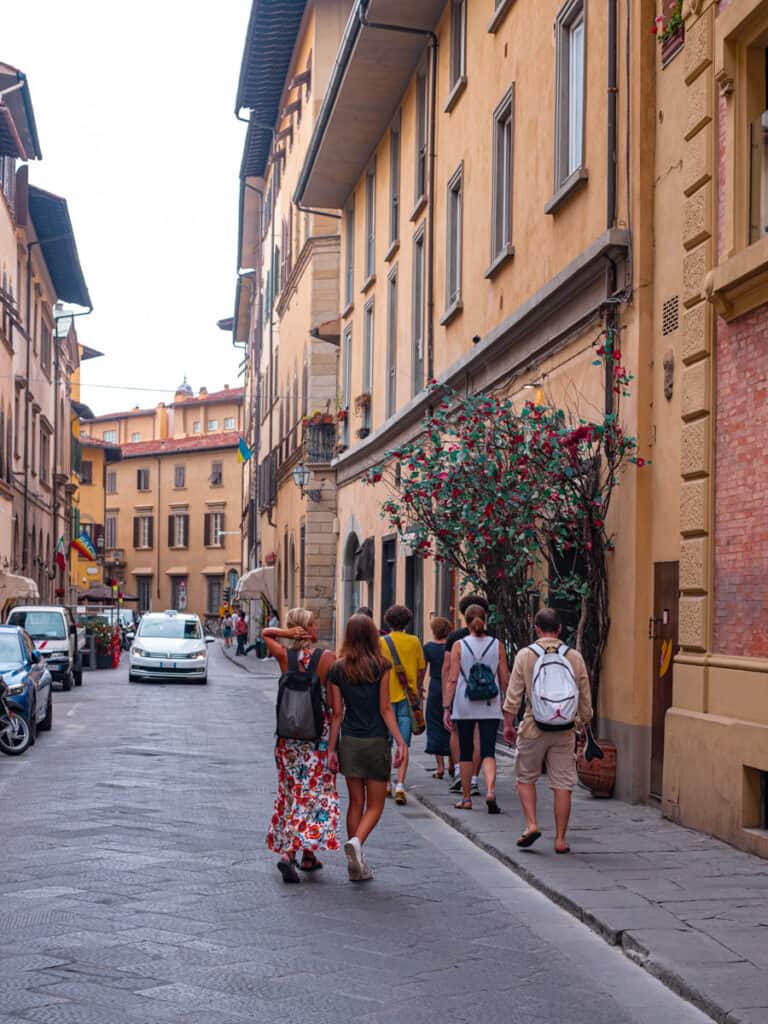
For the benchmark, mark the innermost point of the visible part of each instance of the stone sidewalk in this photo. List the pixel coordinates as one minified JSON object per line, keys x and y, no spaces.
{"x":690,"y":909}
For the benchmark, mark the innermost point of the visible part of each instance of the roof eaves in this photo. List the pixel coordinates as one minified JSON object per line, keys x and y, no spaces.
{"x":56,"y":237}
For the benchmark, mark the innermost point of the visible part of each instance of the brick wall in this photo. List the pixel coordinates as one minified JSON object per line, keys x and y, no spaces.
{"x":741,"y":486}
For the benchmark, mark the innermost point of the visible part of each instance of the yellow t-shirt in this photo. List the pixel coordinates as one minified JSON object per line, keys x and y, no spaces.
{"x":411,"y":655}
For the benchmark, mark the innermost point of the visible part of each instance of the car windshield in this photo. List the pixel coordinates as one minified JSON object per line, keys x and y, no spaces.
{"x":40,"y":625}
{"x":10,"y":652}
{"x":171,"y":629}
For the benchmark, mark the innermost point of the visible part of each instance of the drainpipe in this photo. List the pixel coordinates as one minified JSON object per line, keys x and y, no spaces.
{"x":158,"y":531}
{"x":611,"y":317}
{"x":430,"y":226}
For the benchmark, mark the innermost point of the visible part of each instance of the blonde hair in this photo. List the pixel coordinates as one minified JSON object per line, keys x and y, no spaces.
{"x":299,"y":617}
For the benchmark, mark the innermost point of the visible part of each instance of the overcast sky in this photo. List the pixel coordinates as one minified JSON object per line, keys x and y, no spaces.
{"x":134,"y":106}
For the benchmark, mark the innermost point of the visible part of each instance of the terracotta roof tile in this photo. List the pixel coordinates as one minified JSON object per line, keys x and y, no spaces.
{"x":97,"y":442}
{"x":170,"y":445}
{"x":236,"y":394}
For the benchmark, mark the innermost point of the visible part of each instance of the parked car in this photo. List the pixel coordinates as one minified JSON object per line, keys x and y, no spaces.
{"x":169,"y":645}
{"x":27,"y":677}
{"x":57,"y":637}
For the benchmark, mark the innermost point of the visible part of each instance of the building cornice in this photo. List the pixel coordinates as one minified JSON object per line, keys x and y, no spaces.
{"x":537,"y":328}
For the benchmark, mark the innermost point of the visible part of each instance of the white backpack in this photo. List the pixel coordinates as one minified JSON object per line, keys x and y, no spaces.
{"x":554,"y":691}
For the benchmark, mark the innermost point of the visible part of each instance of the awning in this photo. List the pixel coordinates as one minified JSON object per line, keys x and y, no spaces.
{"x":81,"y":410}
{"x":50,"y":216}
{"x":19,"y":104}
{"x":258,"y":583}
{"x":367,"y":82}
{"x":17,"y":588}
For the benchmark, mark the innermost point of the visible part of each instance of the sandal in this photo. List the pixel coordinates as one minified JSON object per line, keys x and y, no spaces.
{"x":493,"y":807}
{"x":310,"y":863}
{"x":288,"y":870}
{"x":528,"y":839}
{"x":463,"y":805}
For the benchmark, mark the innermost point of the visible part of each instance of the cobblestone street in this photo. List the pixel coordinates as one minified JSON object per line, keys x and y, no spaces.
{"x":137,"y":888}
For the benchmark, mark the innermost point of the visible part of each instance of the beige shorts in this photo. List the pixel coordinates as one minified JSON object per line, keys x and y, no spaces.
{"x":555,"y":750}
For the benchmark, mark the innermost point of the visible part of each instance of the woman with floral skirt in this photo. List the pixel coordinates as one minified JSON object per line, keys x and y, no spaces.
{"x":305,"y":818}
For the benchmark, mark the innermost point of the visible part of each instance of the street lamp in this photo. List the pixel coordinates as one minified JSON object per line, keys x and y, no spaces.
{"x":301,"y":477}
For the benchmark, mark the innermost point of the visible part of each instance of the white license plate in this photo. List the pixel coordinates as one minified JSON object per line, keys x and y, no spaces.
{"x":167,"y":664}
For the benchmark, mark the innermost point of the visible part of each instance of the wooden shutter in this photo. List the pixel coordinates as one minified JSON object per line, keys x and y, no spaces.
{"x":151,"y":531}
{"x":136,"y":527}
{"x":207,"y":529}
{"x":185,"y":530}
{"x":170,"y":531}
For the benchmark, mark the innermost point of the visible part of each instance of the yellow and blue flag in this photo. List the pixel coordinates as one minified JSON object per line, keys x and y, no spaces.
{"x":243,"y":451}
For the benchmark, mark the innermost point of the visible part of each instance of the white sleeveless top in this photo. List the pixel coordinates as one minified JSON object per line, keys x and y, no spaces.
{"x":486,"y":650}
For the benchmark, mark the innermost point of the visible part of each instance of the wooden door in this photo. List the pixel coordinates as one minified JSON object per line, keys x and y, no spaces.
{"x":663,"y":631}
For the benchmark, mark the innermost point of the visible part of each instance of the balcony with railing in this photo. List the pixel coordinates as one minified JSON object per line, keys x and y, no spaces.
{"x":319,"y":442}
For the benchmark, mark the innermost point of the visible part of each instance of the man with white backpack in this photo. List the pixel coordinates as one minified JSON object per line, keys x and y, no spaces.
{"x":554,"y":680}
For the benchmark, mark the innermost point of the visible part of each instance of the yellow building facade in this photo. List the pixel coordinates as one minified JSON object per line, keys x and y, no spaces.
{"x":287,"y":312}
{"x":170,"y":506}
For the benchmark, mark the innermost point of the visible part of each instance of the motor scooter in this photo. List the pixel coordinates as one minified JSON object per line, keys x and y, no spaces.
{"x":15,"y":734}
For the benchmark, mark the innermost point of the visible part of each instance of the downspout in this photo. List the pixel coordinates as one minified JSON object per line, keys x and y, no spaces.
{"x":611,"y":316}
{"x":430,"y":282}
{"x":158,"y":532}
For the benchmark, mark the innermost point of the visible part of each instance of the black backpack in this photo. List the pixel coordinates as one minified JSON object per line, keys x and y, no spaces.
{"x":300,"y":700}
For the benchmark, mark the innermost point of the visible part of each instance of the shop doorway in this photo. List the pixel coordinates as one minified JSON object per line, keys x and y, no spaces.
{"x":664,"y":633}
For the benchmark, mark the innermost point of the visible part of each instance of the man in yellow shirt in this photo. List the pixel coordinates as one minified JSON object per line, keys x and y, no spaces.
{"x":406,"y":656}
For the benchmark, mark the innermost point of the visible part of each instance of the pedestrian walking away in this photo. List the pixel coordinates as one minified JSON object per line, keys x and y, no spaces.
{"x":306,"y":811}
{"x":453,"y":637}
{"x":546,"y":733}
{"x":226,"y":629}
{"x":359,"y":745}
{"x":405,"y":656}
{"x":241,"y":633}
{"x":476,"y":686}
{"x":438,"y":737}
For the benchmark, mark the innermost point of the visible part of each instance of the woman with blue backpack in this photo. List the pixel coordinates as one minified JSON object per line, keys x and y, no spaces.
{"x":306,"y":813}
{"x":477,"y":683}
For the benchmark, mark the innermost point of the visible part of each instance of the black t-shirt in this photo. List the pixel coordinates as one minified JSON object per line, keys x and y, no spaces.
{"x":362,"y":717}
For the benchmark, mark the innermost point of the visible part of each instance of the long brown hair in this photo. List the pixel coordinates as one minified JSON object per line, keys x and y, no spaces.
{"x":360,"y":656}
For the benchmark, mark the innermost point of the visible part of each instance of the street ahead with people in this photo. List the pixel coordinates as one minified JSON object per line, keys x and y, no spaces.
{"x":138,"y":887}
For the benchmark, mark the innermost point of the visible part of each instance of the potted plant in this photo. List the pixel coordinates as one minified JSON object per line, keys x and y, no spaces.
{"x":517,"y":501}
{"x":362,"y":402}
{"x":104,"y":640}
{"x":670,"y":30}
{"x":363,"y":432}
{"x":342,"y":415}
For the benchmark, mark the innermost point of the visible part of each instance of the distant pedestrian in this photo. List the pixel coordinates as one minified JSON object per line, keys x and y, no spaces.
{"x":364,"y":609}
{"x":539,"y":746}
{"x":363,"y":715}
{"x":241,"y":633}
{"x":406,"y":658}
{"x":306,"y":811}
{"x":476,"y":687}
{"x":458,"y":634}
{"x":438,"y":737}
{"x":227,"y":625}
{"x":274,"y":620}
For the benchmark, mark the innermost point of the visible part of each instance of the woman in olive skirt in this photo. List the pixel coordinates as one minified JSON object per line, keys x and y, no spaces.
{"x":359,"y":743}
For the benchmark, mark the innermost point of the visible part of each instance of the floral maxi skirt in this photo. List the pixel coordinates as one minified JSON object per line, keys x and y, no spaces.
{"x":306,"y":811}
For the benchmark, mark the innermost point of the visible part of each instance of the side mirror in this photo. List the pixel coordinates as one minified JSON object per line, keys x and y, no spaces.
{"x":72,"y":629}
{"x":210,"y":639}
{"x":36,"y":657}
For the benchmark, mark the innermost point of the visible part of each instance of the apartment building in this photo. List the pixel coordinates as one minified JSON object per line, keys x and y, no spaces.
{"x":487,"y":201}
{"x":716,"y":751}
{"x":39,"y":268}
{"x":168,"y":491}
{"x":287,"y":307}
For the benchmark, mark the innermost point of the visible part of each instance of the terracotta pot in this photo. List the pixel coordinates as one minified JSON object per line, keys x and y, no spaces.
{"x":598,"y":776}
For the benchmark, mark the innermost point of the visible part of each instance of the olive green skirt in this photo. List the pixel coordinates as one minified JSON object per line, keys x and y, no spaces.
{"x":365,"y":758}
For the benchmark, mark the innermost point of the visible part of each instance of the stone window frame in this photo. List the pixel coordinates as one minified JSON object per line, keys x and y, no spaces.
{"x":566,"y":179}
{"x":737,"y":284}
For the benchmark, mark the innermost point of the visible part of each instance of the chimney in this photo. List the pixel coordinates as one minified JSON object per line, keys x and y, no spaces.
{"x":203,"y":392}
